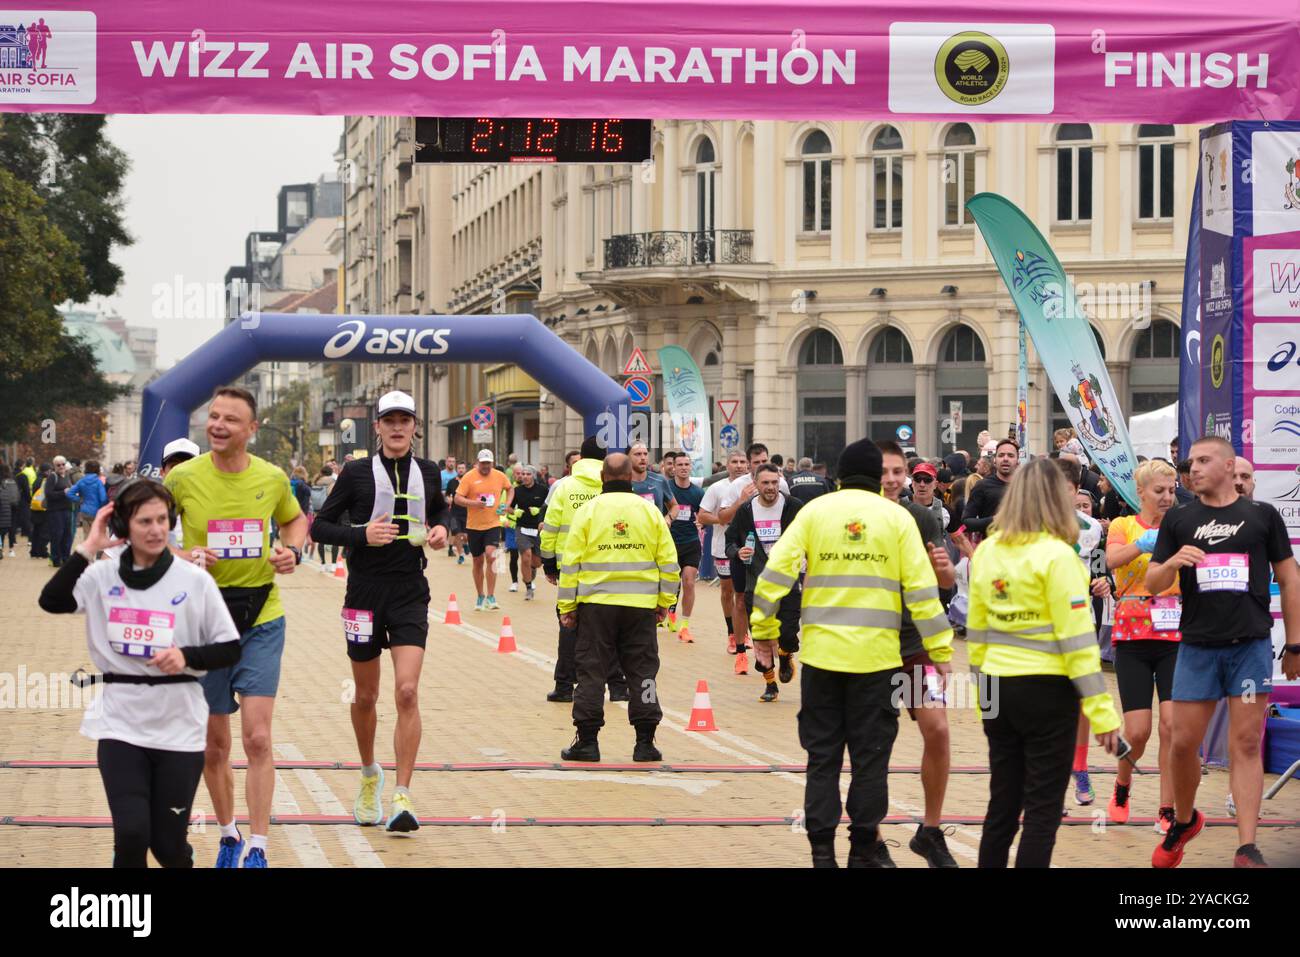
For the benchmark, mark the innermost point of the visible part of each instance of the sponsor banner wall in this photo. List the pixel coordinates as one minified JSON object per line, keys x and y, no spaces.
{"x":1116,"y":59}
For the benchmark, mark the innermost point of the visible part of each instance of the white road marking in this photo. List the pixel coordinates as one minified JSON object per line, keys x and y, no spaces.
{"x":300,"y":837}
{"x":353,"y":841}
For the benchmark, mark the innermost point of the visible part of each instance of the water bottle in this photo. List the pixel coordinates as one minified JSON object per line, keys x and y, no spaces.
{"x":749,"y":543}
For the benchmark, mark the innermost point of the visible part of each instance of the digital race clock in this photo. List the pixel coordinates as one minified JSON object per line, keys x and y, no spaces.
{"x":530,"y":140}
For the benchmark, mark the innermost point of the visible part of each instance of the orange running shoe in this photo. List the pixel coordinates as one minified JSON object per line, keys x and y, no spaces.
{"x":1118,"y":808}
{"x":731,"y":644}
{"x":1169,"y":852}
{"x":742,"y":663}
{"x":1164,"y":819}
{"x":686,"y":636}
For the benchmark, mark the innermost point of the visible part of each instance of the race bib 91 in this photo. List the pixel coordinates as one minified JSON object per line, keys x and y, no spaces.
{"x":235,"y":538}
{"x":358,"y":625}
{"x":1225,"y":571}
{"x":138,"y":633}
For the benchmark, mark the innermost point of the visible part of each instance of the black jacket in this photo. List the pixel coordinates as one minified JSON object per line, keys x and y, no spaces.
{"x":982,"y":503}
{"x":56,"y":492}
{"x":742,"y":524}
{"x":353,"y":496}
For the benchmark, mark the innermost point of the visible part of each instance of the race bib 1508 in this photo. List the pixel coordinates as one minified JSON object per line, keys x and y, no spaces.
{"x":1225,"y":571}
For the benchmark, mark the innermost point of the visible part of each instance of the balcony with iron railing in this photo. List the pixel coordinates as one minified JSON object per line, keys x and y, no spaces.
{"x":680,"y":248}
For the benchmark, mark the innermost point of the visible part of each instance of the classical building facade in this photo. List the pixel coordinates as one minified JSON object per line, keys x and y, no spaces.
{"x":828,"y":278}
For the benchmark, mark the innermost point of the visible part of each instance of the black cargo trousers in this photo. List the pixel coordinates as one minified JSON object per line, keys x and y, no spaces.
{"x":610,"y":637}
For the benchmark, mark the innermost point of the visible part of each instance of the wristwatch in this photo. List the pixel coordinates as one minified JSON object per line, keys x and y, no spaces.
{"x":297,"y":554}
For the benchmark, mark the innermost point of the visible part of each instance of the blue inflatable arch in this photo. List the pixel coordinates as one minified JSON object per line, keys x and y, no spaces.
{"x":262,"y":336}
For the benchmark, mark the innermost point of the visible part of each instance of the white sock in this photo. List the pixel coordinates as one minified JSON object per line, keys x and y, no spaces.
{"x":257,"y":840}
{"x":370,"y":771}
{"x":229,"y":830}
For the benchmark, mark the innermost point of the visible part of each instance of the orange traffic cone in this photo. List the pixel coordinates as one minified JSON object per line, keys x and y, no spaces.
{"x":340,"y":570}
{"x":507,"y":642}
{"x":453,"y":612}
{"x":702,"y":710}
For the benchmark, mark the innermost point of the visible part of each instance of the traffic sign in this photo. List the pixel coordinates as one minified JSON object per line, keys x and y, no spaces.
{"x":728,"y":408}
{"x":482,"y":436}
{"x":483,"y":417}
{"x":639,"y":389}
{"x":729,"y":437}
{"x":637,"y":364}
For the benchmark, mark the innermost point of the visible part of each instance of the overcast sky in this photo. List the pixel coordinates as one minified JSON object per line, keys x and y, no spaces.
{"x":197,"y":186}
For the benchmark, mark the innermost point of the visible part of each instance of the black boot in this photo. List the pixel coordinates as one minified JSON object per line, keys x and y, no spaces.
{"x":561,"y":693}
{"x":645,"y":745}
{"x":823,"y":855}
{"x":583,"y":748}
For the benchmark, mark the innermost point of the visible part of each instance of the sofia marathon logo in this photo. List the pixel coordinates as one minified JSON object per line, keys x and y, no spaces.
{"x":47,"y":57}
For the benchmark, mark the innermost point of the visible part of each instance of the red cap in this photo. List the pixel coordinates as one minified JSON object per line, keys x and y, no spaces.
{"x":928,"y":469}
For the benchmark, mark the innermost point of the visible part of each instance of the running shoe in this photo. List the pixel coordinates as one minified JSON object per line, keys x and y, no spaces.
{"x":929,"y":843}
{"x":490,"y":603}
{"x":769,"y":693}
{"x":1169,"y":852}
{"x":403,"y":819}
{"x":786,"y":671}
{"x":1231,"y":805}
{"x":368,"y":809}
{"x":529,"y":594}
{"x":662,"y":624}
{"x":731,"y":644}
{"x":742,"y":663}
{"x":514,"y":586}
{"x":460,"y":559}
{"x":256,"y":858}
{"x":877,"y":856}
{"x":672,"y":621}
{"x":1118,"y":809}
{"x":1083,"y":792}
{"x":685,"y":636}
{"x":478,"y":605}
{"x":1248,"y":856}
{"x":230,"y":851}
{"x":1164,"y":819}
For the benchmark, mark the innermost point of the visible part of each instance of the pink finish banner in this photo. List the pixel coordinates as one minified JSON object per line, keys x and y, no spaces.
{"x":1196,"y":61}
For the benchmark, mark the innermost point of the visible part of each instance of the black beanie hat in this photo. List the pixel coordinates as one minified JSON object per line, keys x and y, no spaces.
{"x":861,"y":465}
{"x":592,"y":449}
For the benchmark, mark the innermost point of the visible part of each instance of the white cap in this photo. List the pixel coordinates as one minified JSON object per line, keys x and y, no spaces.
{"x":395,"y":402}
{"x":179,"y":447}
{"x":485,"y":455}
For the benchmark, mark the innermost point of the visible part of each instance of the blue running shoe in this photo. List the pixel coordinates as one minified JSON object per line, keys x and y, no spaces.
{"x":232,"y":848}
{"x":1083,"y":793}
{"x":256,"y":858}
{"x":478,"y":605}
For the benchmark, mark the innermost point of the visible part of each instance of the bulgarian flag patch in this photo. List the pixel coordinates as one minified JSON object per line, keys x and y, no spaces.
{"x":1077,"y":603}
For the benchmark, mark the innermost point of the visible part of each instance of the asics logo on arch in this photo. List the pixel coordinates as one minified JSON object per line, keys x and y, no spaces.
{"x":424,"y":342}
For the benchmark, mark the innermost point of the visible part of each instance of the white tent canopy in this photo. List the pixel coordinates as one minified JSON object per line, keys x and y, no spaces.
{"x":1152,"y":432}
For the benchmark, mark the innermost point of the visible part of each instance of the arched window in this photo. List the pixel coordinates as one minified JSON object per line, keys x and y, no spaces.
{"x":958,"y":172}
{"x":821,"y":398}
{"x":1073,"y":173}
{"x":816,"y":183}
{"x":704,"y":183}
{"x":890,"y":347}
{"x":887,"y":178}
{"x":891,"y":386}
{"x":1153,"y":376}
{"x":821,"y":349}
{"x":1155,"y":171}
{"x":962,"y":345}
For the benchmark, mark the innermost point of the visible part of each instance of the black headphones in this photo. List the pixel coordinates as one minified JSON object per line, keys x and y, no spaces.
{"x":117,"y":524}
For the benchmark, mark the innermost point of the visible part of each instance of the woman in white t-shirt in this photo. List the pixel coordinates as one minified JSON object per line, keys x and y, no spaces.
{"x":153,"y":623}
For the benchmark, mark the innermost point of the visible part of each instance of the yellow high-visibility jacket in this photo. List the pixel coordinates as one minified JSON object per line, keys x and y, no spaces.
{"x":1031,"y":614}
{"x":567,"y":495}
{"x":865,"y":558}
{"x":618,"y":552}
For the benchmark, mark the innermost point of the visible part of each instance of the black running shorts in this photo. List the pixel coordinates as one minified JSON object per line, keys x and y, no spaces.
{"x":400,"y":610}
{"x":1141,"y":663}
